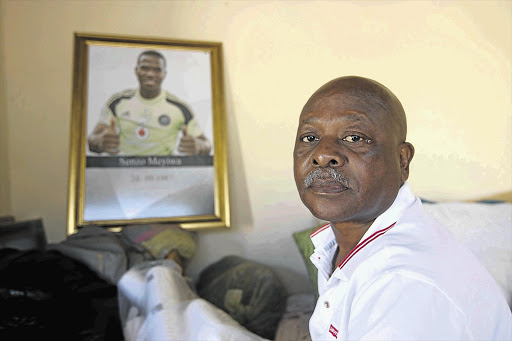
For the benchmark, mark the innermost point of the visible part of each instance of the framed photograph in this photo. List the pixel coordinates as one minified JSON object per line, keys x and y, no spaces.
{"x":147,"y":133}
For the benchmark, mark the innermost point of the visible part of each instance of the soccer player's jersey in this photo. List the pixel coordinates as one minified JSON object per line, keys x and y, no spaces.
{"x":148,"y":126}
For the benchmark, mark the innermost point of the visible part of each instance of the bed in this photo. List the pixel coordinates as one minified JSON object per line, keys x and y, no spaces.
{"x":104,"y":285}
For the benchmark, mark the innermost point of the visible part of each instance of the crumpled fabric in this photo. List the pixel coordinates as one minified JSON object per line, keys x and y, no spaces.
{"x":157,"y":303}
{"x":171,"y":239}
{"x":109,"y":254}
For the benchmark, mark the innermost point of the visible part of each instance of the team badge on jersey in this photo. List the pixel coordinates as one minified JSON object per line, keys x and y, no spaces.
{"x":164,"y":120}
{"x":142,"y":133}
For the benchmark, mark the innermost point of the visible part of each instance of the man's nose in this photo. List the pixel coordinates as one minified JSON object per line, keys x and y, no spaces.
{"x":151,"y":72}
{"x":328,"y":154}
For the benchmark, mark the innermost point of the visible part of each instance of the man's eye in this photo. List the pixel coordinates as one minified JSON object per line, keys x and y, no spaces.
{"x":353,"y":138}
{"x":309,"y":138}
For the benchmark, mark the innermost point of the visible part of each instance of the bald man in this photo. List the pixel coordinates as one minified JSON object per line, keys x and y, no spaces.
{"x":385,"y":270}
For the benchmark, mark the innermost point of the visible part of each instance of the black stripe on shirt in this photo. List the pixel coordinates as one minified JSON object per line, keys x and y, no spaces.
{"x":115,"y":102}
{"x":186,"y":113}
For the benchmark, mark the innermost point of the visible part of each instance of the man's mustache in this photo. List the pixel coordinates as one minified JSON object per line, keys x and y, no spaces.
{"x":325,"y":173}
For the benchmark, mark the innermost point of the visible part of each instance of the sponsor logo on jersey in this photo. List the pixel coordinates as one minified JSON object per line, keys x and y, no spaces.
{"x":164,"y":120}
{"x":142,"y":133}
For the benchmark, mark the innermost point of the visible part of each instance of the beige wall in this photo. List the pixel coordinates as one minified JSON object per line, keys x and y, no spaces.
{"x":448,"y":61}
{"x":5,"y":200}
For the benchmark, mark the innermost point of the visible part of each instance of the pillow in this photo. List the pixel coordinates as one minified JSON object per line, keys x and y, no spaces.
{"x":486,"y":230}
{"x":306,"y":248}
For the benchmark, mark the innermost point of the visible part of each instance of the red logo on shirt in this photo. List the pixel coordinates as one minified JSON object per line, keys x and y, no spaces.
{"x":142,"y":133}
{"x":333,"y":331}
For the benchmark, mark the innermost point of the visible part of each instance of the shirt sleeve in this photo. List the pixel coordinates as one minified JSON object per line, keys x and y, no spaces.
{"x":399,"y":307}
{"x":106,"y":115}
{"x":193,"y":128}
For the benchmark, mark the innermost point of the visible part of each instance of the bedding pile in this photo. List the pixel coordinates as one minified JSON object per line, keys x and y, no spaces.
{"x":129,"y":285}
{"x":157,"y":303}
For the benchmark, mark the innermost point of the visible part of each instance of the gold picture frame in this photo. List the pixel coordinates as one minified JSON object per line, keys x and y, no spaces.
{"x":137,"y":181}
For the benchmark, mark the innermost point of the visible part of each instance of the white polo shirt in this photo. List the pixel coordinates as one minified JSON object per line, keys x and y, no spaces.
{"x":408,"y":279}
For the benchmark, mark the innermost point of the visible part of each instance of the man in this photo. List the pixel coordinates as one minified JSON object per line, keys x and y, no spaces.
{"x":385,"y":270}
{"x":147,"y":121}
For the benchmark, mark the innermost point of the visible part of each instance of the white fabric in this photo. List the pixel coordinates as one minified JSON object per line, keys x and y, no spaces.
{"x":409,"y":280}
{"x":156,"y":303}
{"x":484,"y":229}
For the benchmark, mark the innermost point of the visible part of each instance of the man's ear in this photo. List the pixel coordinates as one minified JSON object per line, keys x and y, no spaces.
{"x":406,"y":155}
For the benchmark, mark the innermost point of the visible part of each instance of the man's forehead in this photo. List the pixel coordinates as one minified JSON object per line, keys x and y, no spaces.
{"x":150,"y":59}
{"x":356,"y":104}
{"x":345,"y":95}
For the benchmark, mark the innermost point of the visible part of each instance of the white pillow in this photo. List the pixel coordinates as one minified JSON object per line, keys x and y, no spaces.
{"x":486,"y":230}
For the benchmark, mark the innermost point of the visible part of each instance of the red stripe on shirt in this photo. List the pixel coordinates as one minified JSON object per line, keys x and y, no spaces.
{"x":365,"y":242}
{"x":318,"y":230}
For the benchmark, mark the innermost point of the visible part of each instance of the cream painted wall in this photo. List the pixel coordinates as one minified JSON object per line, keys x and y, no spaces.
{"x":5,"y":197}
{"x":448,"y":61}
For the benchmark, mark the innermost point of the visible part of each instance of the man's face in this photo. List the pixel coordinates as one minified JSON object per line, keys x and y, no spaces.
{"x":151,"y":72}
{"x":354,"y":140}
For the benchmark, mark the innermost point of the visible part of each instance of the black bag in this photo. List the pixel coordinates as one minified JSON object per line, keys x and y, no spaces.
{"x":45,"y":294}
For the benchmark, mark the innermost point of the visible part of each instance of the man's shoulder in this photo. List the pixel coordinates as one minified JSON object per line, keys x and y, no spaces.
{"x":125,"y":94}
{"x":171,"y":98}
{"x":177,"y":102}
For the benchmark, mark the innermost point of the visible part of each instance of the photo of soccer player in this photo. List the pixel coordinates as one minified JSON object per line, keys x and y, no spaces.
{"x":152,"y":136}
{"x":147,"y":120}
